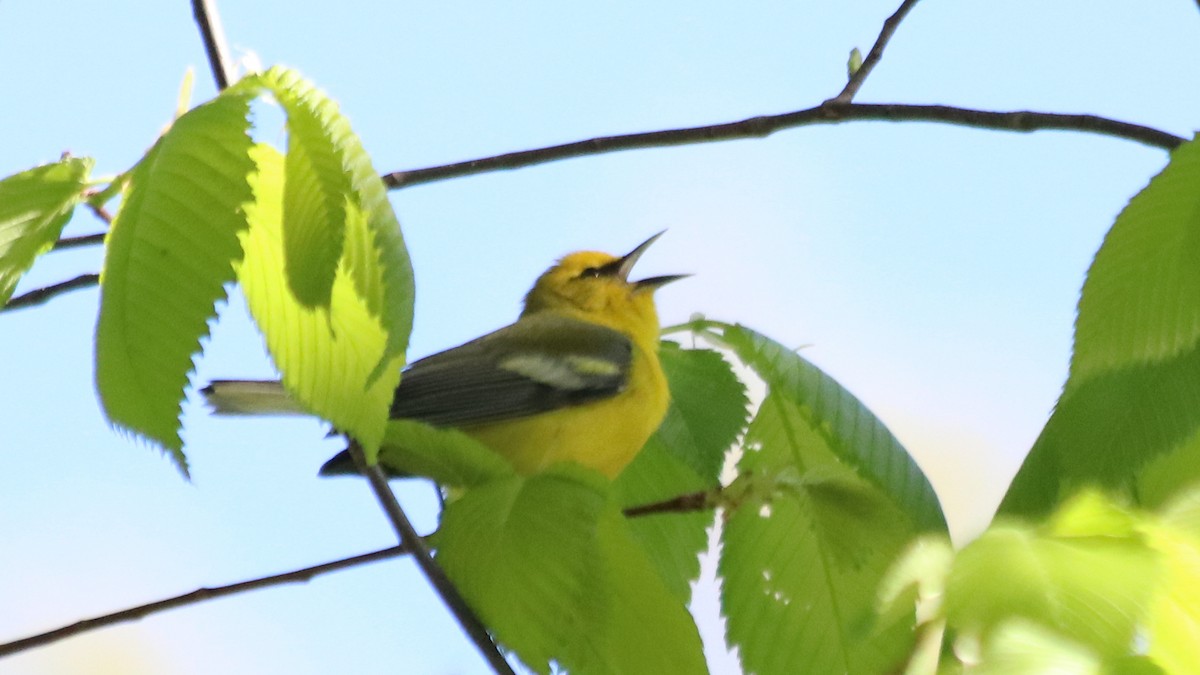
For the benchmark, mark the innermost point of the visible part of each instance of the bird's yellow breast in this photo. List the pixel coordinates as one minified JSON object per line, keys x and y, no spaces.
{"x":603,"y":435}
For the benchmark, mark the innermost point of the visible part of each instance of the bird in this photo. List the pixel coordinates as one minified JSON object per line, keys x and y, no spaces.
{"x":576,"y":378}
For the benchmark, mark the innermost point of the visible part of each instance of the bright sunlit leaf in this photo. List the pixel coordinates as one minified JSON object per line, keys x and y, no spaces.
{"x":34,"y":207}
{"x":1088,"y":575}
{"x":326,"y":354}
{"x":337,"y":218}
{"x":1174,"y":622}
{"x":169,"y":252}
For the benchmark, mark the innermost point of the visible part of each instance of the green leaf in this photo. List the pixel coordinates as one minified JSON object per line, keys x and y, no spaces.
{"x":804,"y":551}
{"x":685,"y":456}
{"x":1174,"y":621}
{"x":550,"y":567}
{"x":336,"y":213}
{"x":849,"y":430}
{"x":35,"y":205}
{"x":828,"y":499}
{"x":708,"y":408}
{"x":447,"y":456}
{"x":1087,"y":575}
{"x":672,"y":541}
{"x":1141,"y":301}
{"x":631,"y":623}
{"x":167,"y":257}
{"x":1116,"y":431}
{"x":316,"y":187}
{"x":326,"y":355}
{"x":1020,"y":647}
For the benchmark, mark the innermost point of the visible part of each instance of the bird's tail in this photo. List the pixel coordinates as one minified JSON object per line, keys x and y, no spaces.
{"x":251,"y":397}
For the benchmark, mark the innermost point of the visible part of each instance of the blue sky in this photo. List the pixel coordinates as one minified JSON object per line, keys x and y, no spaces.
{"x":933,"y":270}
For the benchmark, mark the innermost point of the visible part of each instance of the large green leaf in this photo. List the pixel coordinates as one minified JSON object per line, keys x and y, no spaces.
{"x":1134,"y":431}
{"x":1141,"y":301}
{"x":34,"y":207}
{"x":672,"y":541}
{"x":337,"y":218}
{"x":849,"y":430}
{"x":1129,"y":416}
{"x":167,"y":257}
{"x":685,"y":456}
{"x":631,"y":622}
{"x":1088,"y":575}
{"x":548,"y":564}
{"x":828,"y":499}
{"x":325,"y":354}
{"x":804,"y":550}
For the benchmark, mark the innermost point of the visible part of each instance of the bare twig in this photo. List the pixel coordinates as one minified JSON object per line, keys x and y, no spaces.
{"x":694,"y":501}
{"x":445,"y":588}
{"x":101,"y":212}
{"x":76,"y":242}
{"x":40,"y":295}
{"x":829,"y":112}
{"x":683,"y":503}
{"x":885,"y":34}
{"x":196,"y":596}
{"x":209,"y":21}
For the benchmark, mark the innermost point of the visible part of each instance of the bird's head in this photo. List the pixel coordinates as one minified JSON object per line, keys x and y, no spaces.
{"x":595,"y":287}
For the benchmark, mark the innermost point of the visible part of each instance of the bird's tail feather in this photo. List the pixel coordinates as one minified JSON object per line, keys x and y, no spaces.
{"x":251,"y":397}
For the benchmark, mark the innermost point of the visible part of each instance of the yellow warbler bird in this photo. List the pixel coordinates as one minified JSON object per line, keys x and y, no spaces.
{"x":576,"y":378}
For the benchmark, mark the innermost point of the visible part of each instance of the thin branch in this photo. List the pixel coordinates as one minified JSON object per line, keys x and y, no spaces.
{"x":209,"y":21}
{"x":885,"y":34}
{"x":196,"y":596}
{"x":696,"y":501}
{"x":445,"y":588}
{"x":40,"y":295}
{"x":101,"y":212}
{"x":77,"y":242}
{"x":758,"y":127}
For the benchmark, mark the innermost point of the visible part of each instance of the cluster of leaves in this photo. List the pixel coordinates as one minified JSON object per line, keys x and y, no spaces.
{"x":834,"y":555}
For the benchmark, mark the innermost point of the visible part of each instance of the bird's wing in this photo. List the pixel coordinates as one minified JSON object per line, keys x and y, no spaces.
{"x":541,"y":363}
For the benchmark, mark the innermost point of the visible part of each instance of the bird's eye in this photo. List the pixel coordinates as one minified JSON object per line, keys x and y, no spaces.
{"x":590,"y":272}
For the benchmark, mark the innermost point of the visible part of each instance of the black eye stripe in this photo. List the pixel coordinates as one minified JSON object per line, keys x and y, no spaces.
{"x":591,"y":272}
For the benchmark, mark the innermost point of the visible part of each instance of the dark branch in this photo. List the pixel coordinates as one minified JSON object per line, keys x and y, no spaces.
{"x":697,"y":501}
{"x":76,"y":242}
{"x":101,"y":212}
{"x":196,"y":596}
{"x":859,"y":76}
{"x":758,"y":127}
{"x":40,"y":295}
{"x":445,"y":588}
{"x":213,"y":35}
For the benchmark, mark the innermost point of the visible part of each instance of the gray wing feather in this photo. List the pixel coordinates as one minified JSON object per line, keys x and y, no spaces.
{"x":510,"y":373}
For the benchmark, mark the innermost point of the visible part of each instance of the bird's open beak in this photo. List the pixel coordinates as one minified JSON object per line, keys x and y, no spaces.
{"x":627,"y":261}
